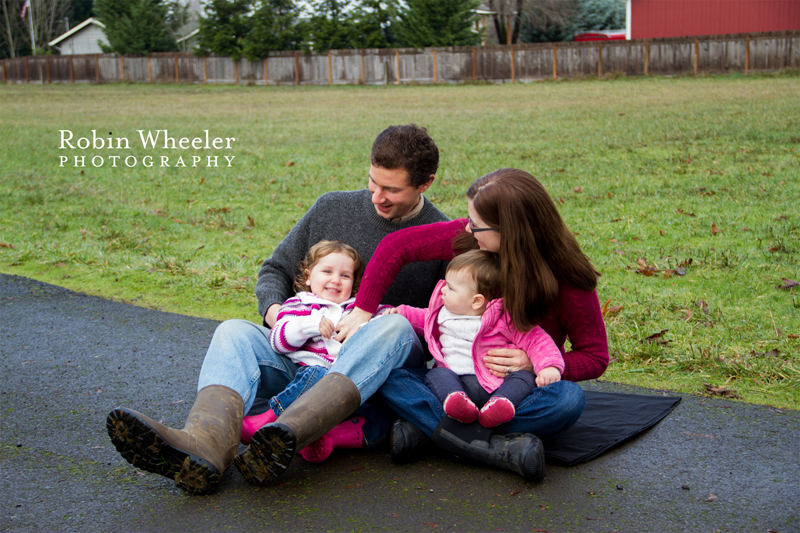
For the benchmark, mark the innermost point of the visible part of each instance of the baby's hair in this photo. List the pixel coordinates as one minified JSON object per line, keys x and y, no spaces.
{"x":320,"y":250}
{"x":484,"y":268}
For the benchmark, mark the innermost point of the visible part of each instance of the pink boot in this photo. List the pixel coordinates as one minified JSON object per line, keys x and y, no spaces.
{"x":348,"y":434}
{"x":251,"y":424}
{"x":496,"y":411}
{"x":458,"y":405}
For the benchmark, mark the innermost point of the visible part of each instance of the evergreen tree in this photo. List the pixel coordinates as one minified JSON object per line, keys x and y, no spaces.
{"x":438,"y":23}
{"x":372,"y":21}
{"x":135,"y":26}
{"x":599,"y":15}
{"x":225,"y":28}
{"x":81,"y":10}
{"x":274,"y":27}
{"x":330,"y":26}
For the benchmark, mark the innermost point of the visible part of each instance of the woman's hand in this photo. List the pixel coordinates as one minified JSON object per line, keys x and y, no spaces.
{"x":502,"y":362}
{"x":548,"y":375}
{"x":350,"y":324}
{"x":391,"y":311}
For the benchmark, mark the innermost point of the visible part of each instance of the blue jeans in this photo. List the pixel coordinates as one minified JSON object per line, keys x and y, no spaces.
{"x":546,"y":411}
{"x":240,"y":357}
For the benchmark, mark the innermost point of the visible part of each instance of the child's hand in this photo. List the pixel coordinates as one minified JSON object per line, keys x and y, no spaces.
{"x":392,"y":311}
{"x":548,"y":375}
{"x":326,"y":328}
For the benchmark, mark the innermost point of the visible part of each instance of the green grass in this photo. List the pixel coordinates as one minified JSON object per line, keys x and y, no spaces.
{"x":640,"y":168}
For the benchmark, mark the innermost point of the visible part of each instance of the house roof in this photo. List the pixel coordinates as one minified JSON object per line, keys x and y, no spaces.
{"x":76,"y":29}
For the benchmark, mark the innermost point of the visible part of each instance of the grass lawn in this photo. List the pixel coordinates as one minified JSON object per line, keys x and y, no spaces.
{"x":684,"y":192}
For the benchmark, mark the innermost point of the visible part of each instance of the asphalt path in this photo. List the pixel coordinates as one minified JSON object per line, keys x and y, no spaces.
{"x":67,"y":359}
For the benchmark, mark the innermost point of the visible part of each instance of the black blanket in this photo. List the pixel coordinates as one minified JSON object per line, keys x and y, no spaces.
{"x":610,"y":418}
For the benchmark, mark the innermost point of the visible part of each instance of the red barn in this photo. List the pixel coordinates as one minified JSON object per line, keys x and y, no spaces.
{"x":651,"y":19}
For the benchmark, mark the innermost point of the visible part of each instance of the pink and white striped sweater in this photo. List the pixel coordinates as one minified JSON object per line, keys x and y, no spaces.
{"x":296,"y":332}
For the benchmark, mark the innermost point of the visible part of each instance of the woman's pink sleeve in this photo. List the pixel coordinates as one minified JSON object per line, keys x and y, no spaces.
{"x":430,"y":242}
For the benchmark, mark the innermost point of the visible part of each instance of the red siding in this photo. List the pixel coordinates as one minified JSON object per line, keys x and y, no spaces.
{"x":651,"y":19}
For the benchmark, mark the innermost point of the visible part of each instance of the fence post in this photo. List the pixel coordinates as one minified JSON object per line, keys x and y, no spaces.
{"x":696,"y":53}
{"x":363,"y":71}
{"x":4,"y":71}
{"x":297,"y":68}
{"x":397,"y":64}
{"x":149,"y":70}
{"x":555,"y":63}
{"x":646,"y":57}
{"x":747,"y":55}
{"x":266,"y":73}
{"x":122,"y":67}
{"x":96,"y":69}
{"x":600,"y":59}
{"x":435,"y":69}
{"x":47,"y":68}
{"x":27,"y":71}
{"x":236,"y":72}
{"x":474,"y":64}
{"x":513,"y":65}
{"x":177,"y":71}
{"x":330,"y":68}
{"x":205,"y":69}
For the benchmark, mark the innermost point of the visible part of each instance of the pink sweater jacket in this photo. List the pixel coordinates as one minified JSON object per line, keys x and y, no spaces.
{"x":576,"y":314}
{"x":496,"y":331}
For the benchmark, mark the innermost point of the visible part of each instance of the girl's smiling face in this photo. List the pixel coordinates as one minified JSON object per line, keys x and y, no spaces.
{"x":332,"y":277}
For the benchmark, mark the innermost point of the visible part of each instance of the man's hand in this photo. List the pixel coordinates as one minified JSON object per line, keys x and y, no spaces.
{"x":548,"y":375}
{"x":350,"y":324}
{"x":272,"y":315}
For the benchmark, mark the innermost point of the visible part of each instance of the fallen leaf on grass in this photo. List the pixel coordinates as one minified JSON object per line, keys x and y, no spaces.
{"x":682,"y":212}
{"x":515,"y":492}
{"x":793,"y":336}
{"x":289,"y":164}
{"x":721,"y":391}
{"x":788,"y":285}
{"x":703,"y":306}
{"x":619,"y":252}
{"x":772,"y":353}
{"x":655,"y":338}
{"x":610,"y":310}
{"x":711,"y":498}
{"x":431,"y":524}
{"x":687,"y":313}
{"x":577,"y":189}
{"x":714,"y":229}
{"x":251,"y":222}
{"x":6,"y":245}
{"x":645,"y":269}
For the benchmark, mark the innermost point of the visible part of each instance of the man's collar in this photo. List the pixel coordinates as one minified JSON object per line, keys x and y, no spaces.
{"x":414,"y":212}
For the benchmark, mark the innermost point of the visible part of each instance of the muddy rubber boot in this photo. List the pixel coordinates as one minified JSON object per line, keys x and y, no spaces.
{"x":521,"y":453}
{"x":313,"y":414}
{"x":194,"y":457}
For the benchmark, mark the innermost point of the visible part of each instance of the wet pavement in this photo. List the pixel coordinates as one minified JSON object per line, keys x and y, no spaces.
{"x":68,"y":359}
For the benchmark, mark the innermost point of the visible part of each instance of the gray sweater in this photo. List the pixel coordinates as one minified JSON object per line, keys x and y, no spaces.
{"x":350,"y":217}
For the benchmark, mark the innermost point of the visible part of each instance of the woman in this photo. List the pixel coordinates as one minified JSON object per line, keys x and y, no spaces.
{"x":549,"y":282}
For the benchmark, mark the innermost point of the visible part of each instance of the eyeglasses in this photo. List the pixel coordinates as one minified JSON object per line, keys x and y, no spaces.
{"x":473,"y":229}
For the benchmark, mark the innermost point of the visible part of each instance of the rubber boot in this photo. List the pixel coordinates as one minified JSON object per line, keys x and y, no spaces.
{"x":408,"y":442}
{"x":522,"y":453}
{"x":348,"y":434}
{"x":194,"y":457}
{"x":313,"y":414}
{"x":251,"y":424}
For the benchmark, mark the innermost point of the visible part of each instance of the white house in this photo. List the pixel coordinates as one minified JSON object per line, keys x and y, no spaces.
{"x":82,"y":39}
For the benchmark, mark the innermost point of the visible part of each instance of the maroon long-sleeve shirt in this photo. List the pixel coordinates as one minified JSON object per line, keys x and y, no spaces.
{"x":576,"y":314}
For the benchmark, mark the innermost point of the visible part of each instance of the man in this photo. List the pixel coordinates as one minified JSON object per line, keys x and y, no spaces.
{"x":240,"y":364}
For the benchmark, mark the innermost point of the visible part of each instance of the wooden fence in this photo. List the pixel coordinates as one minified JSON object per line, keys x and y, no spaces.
{"x":497,"y":64}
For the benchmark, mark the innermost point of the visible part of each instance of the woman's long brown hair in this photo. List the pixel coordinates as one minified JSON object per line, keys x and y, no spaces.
{"x":537,"y":249}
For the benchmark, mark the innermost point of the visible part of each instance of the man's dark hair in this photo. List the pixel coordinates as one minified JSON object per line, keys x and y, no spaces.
{"x":409,"y":148}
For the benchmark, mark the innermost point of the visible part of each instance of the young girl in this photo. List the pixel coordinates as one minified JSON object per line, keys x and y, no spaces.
{"x":326,"y":280}
{"x":464,"y":320}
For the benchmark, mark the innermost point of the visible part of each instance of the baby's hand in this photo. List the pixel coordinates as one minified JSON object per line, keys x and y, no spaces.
{"x":326,"y":328}
{"x":548,"y":375}
{"x":392,"y":311}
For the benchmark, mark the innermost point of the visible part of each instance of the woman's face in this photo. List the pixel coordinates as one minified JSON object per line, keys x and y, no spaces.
{"x":487,"y":240}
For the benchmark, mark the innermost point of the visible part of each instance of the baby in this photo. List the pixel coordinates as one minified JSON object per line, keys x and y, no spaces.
{"x":464,"y":320}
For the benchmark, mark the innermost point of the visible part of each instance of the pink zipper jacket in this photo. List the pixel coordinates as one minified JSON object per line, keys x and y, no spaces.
{"x":496,"y":331}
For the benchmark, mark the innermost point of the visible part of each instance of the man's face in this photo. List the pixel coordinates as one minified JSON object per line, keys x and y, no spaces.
{"x":392,"y":193}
